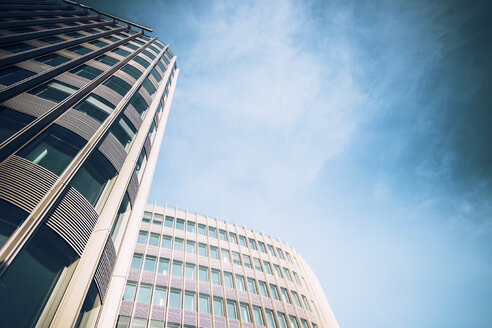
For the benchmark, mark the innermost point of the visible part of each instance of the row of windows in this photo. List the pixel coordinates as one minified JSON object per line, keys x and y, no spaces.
{"x":225,"y":255}
{"x":203,"y":303}
{"x":221,"y":234}
{"x":189,"y":270}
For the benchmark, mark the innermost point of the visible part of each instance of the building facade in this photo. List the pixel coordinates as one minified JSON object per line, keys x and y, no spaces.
{"x":84,"y":100}
{"x":183,"y":269}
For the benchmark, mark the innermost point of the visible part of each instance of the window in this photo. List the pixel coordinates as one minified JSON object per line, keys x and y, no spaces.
{"x":177,"y":269}
{"x":178,"y":244}
{"x":53,"y":149}
{"x":287,"y":274}
{"x":105,"y":59}
{"x":262,"y":246}
{"x":201,"y":229}
{"x":257,"y":315}
{"x":202,"y":249}
{"x":80,"y":50}
{"x":159,"y":296}
{"x":212,"y":233}
{"x":154,"y":239}
{"x":141,"y":162}
{"x":242,"y":241}
{"x":130,"y":289}
{"x":120,"y":52}
{"x":281,"y":320}
{"x":270,"y":319}
{"x":166,"y":242}
{"x":252,"y":286}
{"x":52,"y":60}
{"x":296,"y":278}
{"x":304,"y":323}
{"x":11,"y":122}
{"x":228,"y":280}
{"x":139,"y":104}
{"x":273,"y":291}
{"x":190,"y":247}
{"x":151,"y":134}
{"x":147,"y":217}
{"x":233,"y":238}
{"x":277,"y":270}
{"x":86,"y":71}
{"x":222,"y":235}
{"x":214,"y":252}
{"x":130,"y":45}
{"x":132,"y":71}
{"x":204,"y":306}
{"x":267,"y":266}
{"x":158,"y":219}
{"x":218,"y":307}
{"x":136,"y":261}
{"x":54,"y":91}
{"x":190,"y":226}
{"x":98,"y":43}
{"x":240,"y":283}
{"x":263,"y":288}
{"x":142,"y":237}
{"x":190,"y":271}
{"x":17,"y":47}
{"x":161,"y":66}
{"x":252,"y":244}
{"x":169,"y":222}
{"x":51,"y":40}
{"x":154,"y":49}
{"x":138,"y":41}
{"x":144,"y":294}
{"x":285,"y":295}
{"x":247,"y":261}
{"x":280,"y":253}
{"x":288,"y":257}
{"x":293,"y":321}
{"x":304,"y":300}
{"x":141,"y":61}
{"x":179,"y":224}
{"x":257,"y":263}
{"x":123,"y":322}
{"x":216,"y":277}
{"x":94,"y":179}
{"x":236,"y":258}
{"x":149,"y":264}
{"x":296,"y":298}
{"x":189,"y":301}
{"x":96,"y":107}
{"x":148,"y":54}
{"x":270,"y":249}
{"x":226,"y":257}
{"x":74,"y":35}
{"x":244,"y":308}
{"x":156,"y":75}
{"x":231,"y":309}
{"x":175,"y":298}
{"x":149,"y":87}
{"x":14,"y":74}
{"x":203,"y":274}
{"x":163,"y":266}
{"x":118,"y":85}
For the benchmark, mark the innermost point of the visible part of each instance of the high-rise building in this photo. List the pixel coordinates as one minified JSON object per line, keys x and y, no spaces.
{"x":84,"y":100}
{"x":183,"y":269}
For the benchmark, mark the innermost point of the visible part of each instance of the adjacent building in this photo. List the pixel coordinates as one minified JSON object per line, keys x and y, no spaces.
{"x":84,"y":100}
{"x":183,"y":269}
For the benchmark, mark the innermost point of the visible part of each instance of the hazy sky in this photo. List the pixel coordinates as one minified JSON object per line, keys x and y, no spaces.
{"x":357,"y":131}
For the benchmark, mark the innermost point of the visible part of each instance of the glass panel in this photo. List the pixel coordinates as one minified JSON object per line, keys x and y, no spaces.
{"x":268,"y":268}
{"x":96,"y":107}
{"x":218,"y":307}
{"x":252,"y":243}
{"x":179,"y":224}
{"x":190,"y":271}
{"x":142,"y":61}
{"x":203,"y":274}
{"x":87,"y":71}
{"x":139,"y":323}
{"x":235,"y":258}
{"x":80,"y":50}
{"x":177,"y":269}
{"x":212,"y":233}
{"x":163,"y":266}
{"x":156,"y":324}
{"x":223,"y":235}
{"x":233,"y":238}
{"x":13,"y":75}
{"x":281,"y":320}
{"x":141,"y":162}
{"x":142,"y":237}
{"x":94,"y":178}
{"x":149,"y":87}
{"x":136,"y":261}
{"x":17,"y":47}
{"x":159,"y":296}
{"x":240,"y":283}
{"x":214,"y":252}
{"x":277,"y":270}
{"x":247,"y":261}
{"x":123,"y":131}
{"x":270,"y":249}
{"x":12,"y":122}
{"x":166,"y":241}
{"x":169,"y":222}
{"x":293,"y":321}
{"x":190,"y":226}
{"x":55,"y":91}
{"x":175,"y":299}
{"x":231,"y":309}
{"x":132,"y":71}
{"x":204,"y":306}
{"x":201,"y":229}
{"x":257,"y":263}
{"x":54,"y":149}
{"x":118,"y":85}
{"x":202,"y":249}
{"x":123,"y":322}
{"x":90,"y":309}
{"x":144,"y":294}
{"x":121,"y":216}
{"x":280,"y":253}
{"x":257,"y":315}
{"x":121,"y":52}
{"x":10,"y":218}
{"x":262,"y":246}
{"x":252,"y":286}
{"x":263,"y":288}
{"x":242,"y":240}
{"x":158,"y":219}
{"x":273,"y":290}
{"x":216,"y":277}
{"x":244,"y":308}
{"x":156,"y":75}
{"x":53,"y":60}
{"x":226,"y":256}
{"x":178,"y":244}
{"x":148,"y":54}
{"x":190,"y":247}
{"x":285,"y":295}
{"x":189,"y":301}
{"x":270,"y":320}
{"x":228,"y":280}
{"x":149,"y":264}
{"x":154,"y":239}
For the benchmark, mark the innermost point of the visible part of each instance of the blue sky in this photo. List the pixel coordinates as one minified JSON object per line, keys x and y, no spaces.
{"x":356,"y":131}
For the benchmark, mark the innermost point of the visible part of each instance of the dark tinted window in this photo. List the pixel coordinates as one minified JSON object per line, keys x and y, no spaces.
{"x":96,"y":107}
{"x":98,"y":43}
{"x":131,"y":46}
{"x":11,"y":217}
{"x":139,"y":103}
{"x":53,"y":59}
{"x":75,"y":35}
{"x":11,"y":122}
{"x":124,"y":131}
{"x":80,"y":50}
{"x":148,"y":54}
{"x":14,"y":74}
{"x":16,"y":47}
{"x":107,"y":60}
{"x":121,"y":52}
{"x":87,"y":71}
{"x":51,"y":40}
{"x":153,"y":49}
{"x":156,"y":75}
{"x":54,"y":91}
{"x":111,"y":38}
{"x":149,"y":86}
{"x":141,"y":61}
{"x":118,"y":85}
{"x":132,"y":71}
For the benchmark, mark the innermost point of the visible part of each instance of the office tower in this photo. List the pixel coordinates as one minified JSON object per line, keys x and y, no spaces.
{"x":84,"y":100}
{"x":184,"y":269}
